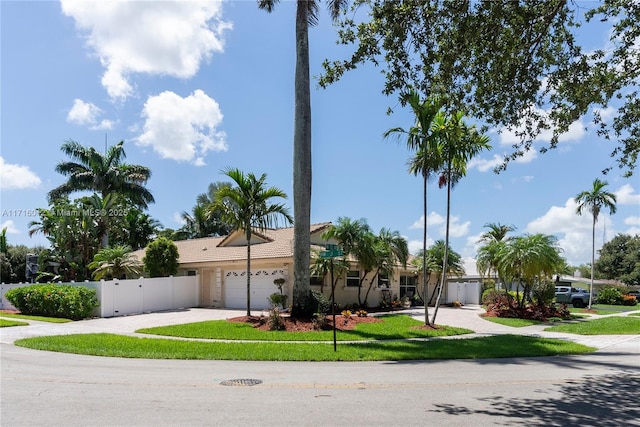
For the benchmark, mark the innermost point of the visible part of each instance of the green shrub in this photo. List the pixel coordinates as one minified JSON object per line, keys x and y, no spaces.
{"x":488,"y":284}
{"x":275,"y":321}
{"x":278,"y":300}
{"x":491,"y":295}
{"x":161,"y":258}
{"x":63,"y":301}
{"x":543,"y":293}
{"x":319,"y":302}
{"x":610,"y":295}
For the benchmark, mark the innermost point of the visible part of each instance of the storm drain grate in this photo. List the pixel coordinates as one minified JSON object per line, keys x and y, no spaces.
{"x":242,"y":382}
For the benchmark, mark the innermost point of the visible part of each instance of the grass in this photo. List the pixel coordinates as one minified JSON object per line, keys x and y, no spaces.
{"x":391,"y":327}
{"x":38,"y":318}
{"x":634,"y":314}
{"x":617,"y":325}
{"x":604,"y":309}
{"x":162,"y":348}
{"x":6,"y":323}
{"x":519,"y":323}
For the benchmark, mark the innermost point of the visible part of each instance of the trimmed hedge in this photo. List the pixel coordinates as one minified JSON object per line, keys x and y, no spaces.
{"x":64,"y":301}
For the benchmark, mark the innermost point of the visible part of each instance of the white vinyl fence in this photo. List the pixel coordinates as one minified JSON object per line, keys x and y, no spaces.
{"x":133,"y":296}
{"x":465,"y":292}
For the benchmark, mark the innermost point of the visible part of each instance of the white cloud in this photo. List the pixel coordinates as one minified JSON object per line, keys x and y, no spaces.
{"x":86,"y":114}
{"x":151,"y":37}
{"x":456,"y":229}
{"x":575,"y":132}
{"x":10,"y":226}
{"x":573,"y":230}
{"x":177,"y":217}
{"x":83,"y":113}
{"x":632,"y":220}
{"x":17,"y":177}
{"x":626,"y":196}
{"x":182,"y":129}
{"x":484,"y":165}
{"x":416,"y":245}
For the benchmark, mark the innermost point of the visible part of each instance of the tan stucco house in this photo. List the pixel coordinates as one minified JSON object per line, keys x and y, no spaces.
{"x":221,"y":264}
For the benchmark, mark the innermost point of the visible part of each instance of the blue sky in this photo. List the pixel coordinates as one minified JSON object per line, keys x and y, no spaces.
{"x":195,"y":87}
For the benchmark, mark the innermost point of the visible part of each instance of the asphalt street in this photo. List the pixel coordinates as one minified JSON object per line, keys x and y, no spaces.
{"x":50,"y":389}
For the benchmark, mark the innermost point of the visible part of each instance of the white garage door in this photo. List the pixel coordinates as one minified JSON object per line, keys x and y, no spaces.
{"x":235,"y":287}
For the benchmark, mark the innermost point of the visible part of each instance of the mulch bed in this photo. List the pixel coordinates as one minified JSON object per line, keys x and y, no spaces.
{"x":302,"y":325}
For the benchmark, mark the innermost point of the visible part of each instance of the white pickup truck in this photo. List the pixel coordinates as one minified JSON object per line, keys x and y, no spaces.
{"x":577,"y":297}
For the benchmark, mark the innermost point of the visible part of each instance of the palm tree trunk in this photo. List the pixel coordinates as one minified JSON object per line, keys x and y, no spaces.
{"x":425,"y":280}
{"x":593,"y":259}
{"x":443,"y":279}
{"x":301,"y":165}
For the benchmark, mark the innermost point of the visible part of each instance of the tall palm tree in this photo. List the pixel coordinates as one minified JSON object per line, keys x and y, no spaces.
{"x":594,"y":200}
{"x":306,"y":15}
{"x":105,"y":174}
{"x":247,"y":206}
{"x":497,"y":232}
{"x":459,"y":143}
{"x":115,"y":262}
{"x":422,"y":139}
{"x":322,"y":267}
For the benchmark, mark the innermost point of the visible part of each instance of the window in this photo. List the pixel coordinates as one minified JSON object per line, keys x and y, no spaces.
{"x":191,"y":272}
{"x":315,"y":280}
{"x":353,"y":278}
{"x":383,"y":281}
{"x":407,"y":286}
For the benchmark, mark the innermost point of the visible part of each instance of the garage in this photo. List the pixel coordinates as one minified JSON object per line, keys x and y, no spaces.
{"x":235,"y":288}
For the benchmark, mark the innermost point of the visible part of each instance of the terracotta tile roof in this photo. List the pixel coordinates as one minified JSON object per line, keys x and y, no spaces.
{"x":212,"y":249}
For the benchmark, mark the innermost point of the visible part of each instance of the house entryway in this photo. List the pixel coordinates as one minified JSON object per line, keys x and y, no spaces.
{"x":235,"y":287}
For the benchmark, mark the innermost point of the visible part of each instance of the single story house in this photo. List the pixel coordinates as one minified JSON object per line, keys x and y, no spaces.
{"x":221,"y":264}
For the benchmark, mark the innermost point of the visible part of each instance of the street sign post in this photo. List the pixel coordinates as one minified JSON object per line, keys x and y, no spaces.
{"x":330,"y":253}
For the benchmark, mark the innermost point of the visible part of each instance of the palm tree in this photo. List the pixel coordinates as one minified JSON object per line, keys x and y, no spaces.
{"x":527,"y":259}
{"x":322,"y":267}
{"x":105,"y":174}
{"x":459,"y":143}
{"x":306,"y":15}
{"x":494,"y":238}
{"x":356,"y":240}
{"x":115,"y":262}
{"x":247,"y":206}
{"x":390,"y":249}
{"x":421,"y":138}
{"x":594,"y":200}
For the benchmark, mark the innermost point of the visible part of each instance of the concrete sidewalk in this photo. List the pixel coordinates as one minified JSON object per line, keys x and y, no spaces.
{"x":465,"y":317}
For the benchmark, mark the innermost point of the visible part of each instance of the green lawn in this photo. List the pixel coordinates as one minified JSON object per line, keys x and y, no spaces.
{"x":604,"y":309}
{"x":6,"y":323}
{"x":634,"y":314}
{"x":39,"y":318}
{"x":616,"y":325}
{"x":391,"y":327}
{"x":519,"y":323}
{"x":163,"y":348}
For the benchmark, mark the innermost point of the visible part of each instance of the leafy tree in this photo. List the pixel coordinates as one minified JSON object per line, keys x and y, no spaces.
{"x":205,"y":220}
{"x":505,"y":63}
{"x":105,"y":174}
{"x":161,"y":258}
{"x":529,"y":260}
{"x":594,"y":200}
{"x":247,"y":206}
{"x":420,"y":138}
{"x":14,"y":263}
{"x":458,"y":143}
{"x":620,"y":260}
{"x":3,"y":240}
{"x":306,"y":15}
{"x":74,"y":236}
{"x":115,"y":262}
